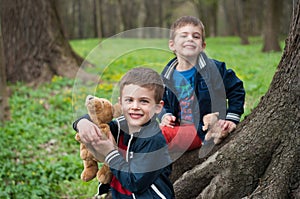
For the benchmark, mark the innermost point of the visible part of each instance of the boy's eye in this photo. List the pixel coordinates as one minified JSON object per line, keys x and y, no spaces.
{"x":144,"y":101}
{"x":197,"y":36}
{"x":128,"y":100}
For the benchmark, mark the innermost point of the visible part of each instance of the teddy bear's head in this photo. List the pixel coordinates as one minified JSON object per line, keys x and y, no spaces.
{"x":101,"y":110}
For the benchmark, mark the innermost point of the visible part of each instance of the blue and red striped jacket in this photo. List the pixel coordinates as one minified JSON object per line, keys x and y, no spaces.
{"x":141,"y":166}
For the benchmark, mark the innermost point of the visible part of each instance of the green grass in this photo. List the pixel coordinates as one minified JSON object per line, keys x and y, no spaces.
{"x":39,"y":156}
{"x":255,"y":68}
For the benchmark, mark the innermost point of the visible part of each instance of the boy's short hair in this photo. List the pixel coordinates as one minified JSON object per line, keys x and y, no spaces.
{"x":146,"y":78}
{"x":185,"y":20}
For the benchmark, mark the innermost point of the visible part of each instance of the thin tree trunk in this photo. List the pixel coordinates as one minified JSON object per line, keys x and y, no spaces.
{"x":98,"y":20}
{"x":80,"y":20}
{"x":4,"y":106}
{"x":272,"y":25}
{"x":208,"y":11}
{"x":244,"y":18}
{"x":129,"y":13}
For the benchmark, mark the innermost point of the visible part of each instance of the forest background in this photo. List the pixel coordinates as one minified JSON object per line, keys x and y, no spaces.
{"x":105,"y":18}
{"x":38,"y":139}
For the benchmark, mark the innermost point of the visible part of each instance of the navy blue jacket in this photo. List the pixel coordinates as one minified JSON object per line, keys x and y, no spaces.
{"x":217,"y":89}
{"x":141,"y":166}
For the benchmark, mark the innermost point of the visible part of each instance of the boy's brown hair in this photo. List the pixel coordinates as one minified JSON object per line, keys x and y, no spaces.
{"x":146,"y":78}
{"x":185,"y":20}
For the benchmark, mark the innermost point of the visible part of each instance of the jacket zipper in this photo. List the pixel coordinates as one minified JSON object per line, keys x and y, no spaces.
{"x":155,"y":189}
{"x":128,"y":147}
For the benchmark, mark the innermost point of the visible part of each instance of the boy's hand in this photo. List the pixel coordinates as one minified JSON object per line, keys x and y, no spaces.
{"x":168,"y":120}
{"x":102,"y":147}
{"x":227,"y":126}
{"x":91,"y":136}
{"x":87,"y":130}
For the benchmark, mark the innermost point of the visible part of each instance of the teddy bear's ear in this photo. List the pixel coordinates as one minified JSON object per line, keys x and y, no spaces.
{"x":117,"y":111}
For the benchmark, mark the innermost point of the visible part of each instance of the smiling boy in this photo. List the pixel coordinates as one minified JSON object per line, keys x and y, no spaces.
{"x":196,"y":86}
{"x":140,"y":162}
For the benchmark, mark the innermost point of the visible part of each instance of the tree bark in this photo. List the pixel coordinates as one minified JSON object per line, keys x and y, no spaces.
{"x":129,"y":13}
{"x":208,"y":11}
{"x":244,"y":13}
{"x":272,"y":25}
{"x":4,"y":106}
{"x":35,"y":46}
{"x":98,"y":18}
{"x":261,"y":158}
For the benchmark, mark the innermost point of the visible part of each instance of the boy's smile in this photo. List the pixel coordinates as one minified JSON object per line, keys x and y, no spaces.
{"x":138,"y":106}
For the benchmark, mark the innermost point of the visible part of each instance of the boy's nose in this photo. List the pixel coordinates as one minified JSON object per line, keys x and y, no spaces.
{"x":190,"y":37}
{"x":135,"y":105}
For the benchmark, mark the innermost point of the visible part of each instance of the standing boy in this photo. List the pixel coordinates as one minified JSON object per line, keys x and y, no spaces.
{"x":140,"y":162}
{"x":196,"y":86}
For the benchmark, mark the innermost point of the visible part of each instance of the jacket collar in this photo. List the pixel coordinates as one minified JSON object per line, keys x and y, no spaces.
{"x":201,"y":63}
{"x":146,"y":130}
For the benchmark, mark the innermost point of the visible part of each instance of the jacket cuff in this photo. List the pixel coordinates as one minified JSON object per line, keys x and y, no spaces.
{"x":111,"y":155}
{"x":86,"y":116}
{"x":233,"y":117}
{"x":166,"y":114}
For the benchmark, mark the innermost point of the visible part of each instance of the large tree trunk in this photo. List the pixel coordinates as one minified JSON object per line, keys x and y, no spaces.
{"x":35,"y":46}
{"x":261,"y":158}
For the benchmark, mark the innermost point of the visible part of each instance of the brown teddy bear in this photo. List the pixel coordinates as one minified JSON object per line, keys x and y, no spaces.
{"x":101,"y":111}
{"x":213,"y":128}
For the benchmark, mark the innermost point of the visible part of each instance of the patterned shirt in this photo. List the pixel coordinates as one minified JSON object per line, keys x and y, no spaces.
{"x":184,"y":82}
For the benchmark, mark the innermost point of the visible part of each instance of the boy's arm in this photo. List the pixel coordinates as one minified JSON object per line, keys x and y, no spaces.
{"x":112,"y":125}
{"x":166,"y":116}
{"x":235,"y":94}
{"x":168,"y":110}
{"x":93,"y":139}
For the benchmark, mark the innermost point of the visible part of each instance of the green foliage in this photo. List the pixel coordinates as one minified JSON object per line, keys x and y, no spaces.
{"x":38,"y":149}
{"x":39,"y":156}
{"x":255,"y":68}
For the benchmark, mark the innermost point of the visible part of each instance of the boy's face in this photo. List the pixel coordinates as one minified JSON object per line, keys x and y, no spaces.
{"x":138,"y":106}
{"x":187,"y":42}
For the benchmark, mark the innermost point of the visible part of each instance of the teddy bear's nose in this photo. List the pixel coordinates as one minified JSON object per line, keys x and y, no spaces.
{"x":90,"y":97}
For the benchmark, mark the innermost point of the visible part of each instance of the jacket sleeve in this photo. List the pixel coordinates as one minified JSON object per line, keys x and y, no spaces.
{"x":112,"y":125}
{"x":167,"y":109}
{"x":86,"y":116}
{"x":235,"y":95}
{"x":170,"y":101}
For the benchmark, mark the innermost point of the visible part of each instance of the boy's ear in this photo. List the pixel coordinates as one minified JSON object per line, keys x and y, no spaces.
{"x":119,"y":100}
{"x":159,"y":107}
{"x":203,"y":45}
{"x":171,"y":45}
